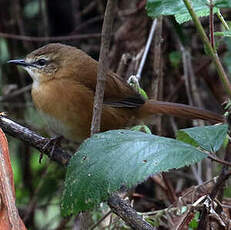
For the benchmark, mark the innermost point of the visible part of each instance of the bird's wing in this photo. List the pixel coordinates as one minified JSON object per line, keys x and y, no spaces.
{"x":118,"y":93}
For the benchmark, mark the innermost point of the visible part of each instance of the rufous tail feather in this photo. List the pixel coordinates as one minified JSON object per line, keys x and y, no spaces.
{"x":181,"y":110}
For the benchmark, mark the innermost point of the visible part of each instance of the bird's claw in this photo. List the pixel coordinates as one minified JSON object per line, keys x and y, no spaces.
{"x":50,"y":143}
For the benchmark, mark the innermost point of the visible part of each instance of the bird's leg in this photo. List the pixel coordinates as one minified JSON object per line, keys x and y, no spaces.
{"x":51,"y":142}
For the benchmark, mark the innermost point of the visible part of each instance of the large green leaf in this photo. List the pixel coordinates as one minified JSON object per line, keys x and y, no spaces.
{"x":112,"y":159}
{"x":157,"y":8}
{"x":209,"y":138}
{"x":177,"y":8}
{"x":185,"y":16}
{"x":222,"y":3}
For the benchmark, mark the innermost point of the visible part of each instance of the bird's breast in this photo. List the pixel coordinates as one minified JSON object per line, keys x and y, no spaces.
{"x":56,"y":126}
{"x":66,"y":106}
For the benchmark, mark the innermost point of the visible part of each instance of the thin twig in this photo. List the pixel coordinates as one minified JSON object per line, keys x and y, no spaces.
{"x":147,"y":47}
{"x":125,"y":58}
{"x":193,"y":97}
{"x":194,"y":85}
{"x":211,"y":24}
{"x":46,"y":39}
{"x":88,"y":8}
{"x":103,"y":65}
{"x":186,"y":73}
{"x":170,"y":191}
{"x":157,"y":78}
{"x":214,"y":158}
{"x":63,"y":223}
{"x":100,"y":220}
{"x":156,"y":88}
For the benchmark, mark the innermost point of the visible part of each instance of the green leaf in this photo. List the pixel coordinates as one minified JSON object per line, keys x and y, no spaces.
{"x":156,"y":8}
{"x":222,"y":3}
{"x":183,"y":136}
{"x":118,"y":158}
{"x":209,"y":138}
{"x":177,"y":8}
{"x":185,"y":16}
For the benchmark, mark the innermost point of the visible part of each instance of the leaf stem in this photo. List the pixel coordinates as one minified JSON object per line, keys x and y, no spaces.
{"x":209,"y":48}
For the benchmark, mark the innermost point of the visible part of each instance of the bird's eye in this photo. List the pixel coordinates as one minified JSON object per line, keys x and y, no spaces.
{"x":41,"y":62}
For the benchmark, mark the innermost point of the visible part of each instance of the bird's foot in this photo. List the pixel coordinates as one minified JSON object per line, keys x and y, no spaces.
{"x":51,"y":143}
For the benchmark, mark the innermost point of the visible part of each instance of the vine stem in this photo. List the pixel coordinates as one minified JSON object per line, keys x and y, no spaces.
{"x":212,"y":53}
{"x":219,"y":15}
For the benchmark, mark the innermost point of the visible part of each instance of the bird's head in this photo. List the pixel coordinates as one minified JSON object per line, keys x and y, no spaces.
{"x":43,"y":64}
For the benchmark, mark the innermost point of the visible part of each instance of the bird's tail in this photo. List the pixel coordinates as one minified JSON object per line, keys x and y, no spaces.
{"x":179,"y":110}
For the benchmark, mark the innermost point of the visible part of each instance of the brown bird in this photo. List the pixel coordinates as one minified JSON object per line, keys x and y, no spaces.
{"x":64,"y":82}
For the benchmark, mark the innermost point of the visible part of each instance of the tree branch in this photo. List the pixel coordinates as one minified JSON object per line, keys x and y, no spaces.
{"x":31,"y":138}
{"x":128,"y":214}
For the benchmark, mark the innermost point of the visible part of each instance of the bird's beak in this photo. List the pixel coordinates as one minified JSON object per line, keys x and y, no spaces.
{"x":20,"y":62}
